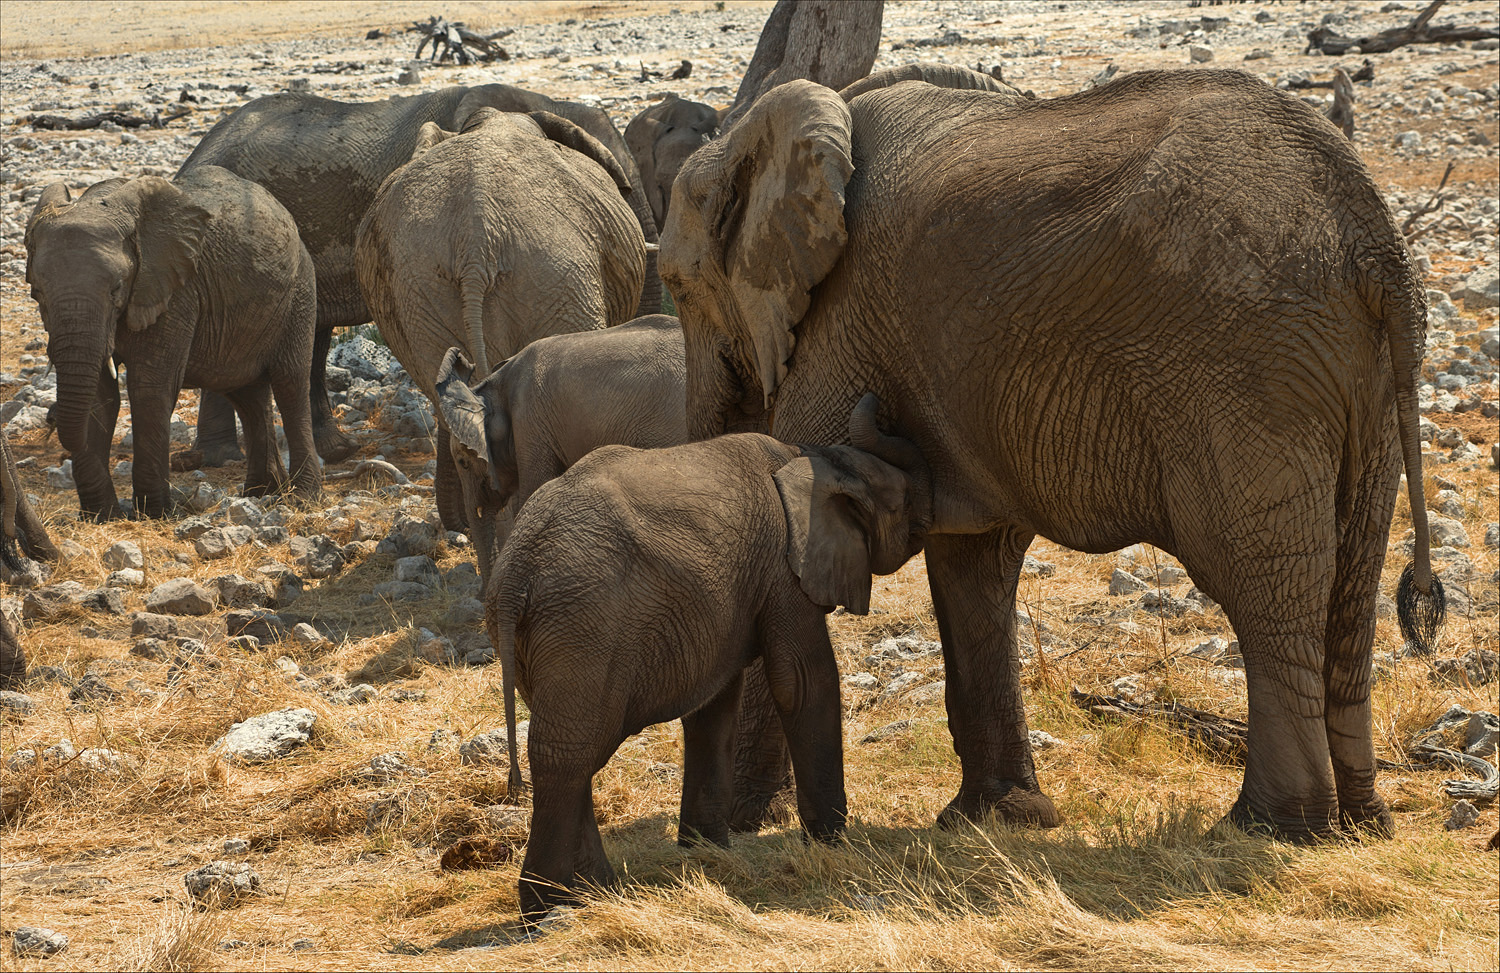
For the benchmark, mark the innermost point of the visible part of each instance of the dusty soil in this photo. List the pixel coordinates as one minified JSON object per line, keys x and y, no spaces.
{"x":1137,"y":878}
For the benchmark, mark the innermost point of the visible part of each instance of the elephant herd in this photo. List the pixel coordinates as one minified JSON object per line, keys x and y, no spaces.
{"x":1173,"y":309}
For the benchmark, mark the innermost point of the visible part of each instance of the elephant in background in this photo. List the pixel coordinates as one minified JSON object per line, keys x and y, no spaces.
{"x":326,"y":160}
{"x":549,"y":405}
{"x":515,"y":229}
{"x":23,"y":536}
{"x":639,"y":585}
{"x":200,"y":282}
{"x":1173,"y":309}
{"x":660,"y":140}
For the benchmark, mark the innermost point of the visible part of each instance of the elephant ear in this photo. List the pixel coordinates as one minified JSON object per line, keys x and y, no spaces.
{"x":469,"y":421}
{"x":770,"y":195}
{"x":54,"y":198}
{"x":827,"y":512}
{"x":640,"y":138}
{"x":564,"y":132}
{"x":428,"y":135}
{"x":169,"y":232}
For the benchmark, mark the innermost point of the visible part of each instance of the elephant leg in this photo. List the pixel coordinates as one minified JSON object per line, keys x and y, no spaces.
{"x":12,"y":658}
{"x":264,"y":473}
{"x":333,"y":445}
{"x":448,"y":488}
{"x":973,"y":579}
{"x":291,"y":400}
{"x":762,"y":764}
{"x":804,"y":681}
{"x":217,"y":439}
{"x":564,"y":852}
{"x":1276,"y":585}
{"x":1347,"y":647}
{"x":96,"y":489}
{"x":708,"y":769}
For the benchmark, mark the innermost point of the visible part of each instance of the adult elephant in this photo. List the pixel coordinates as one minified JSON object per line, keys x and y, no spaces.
{"x":1174,"y":309}
{"x":510,"y":231}
{"x":325,"y":161}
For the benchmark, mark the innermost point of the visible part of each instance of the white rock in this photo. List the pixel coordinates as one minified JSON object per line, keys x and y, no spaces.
{"x":268,"y":736}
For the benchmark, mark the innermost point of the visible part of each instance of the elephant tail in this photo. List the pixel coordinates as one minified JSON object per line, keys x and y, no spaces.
{"x":1420,"y":600}
{"x":504,"y":615}
{"x":471,"y":293}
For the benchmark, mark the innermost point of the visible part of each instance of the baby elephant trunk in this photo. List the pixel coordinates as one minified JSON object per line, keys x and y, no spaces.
{"x":903,"y":454}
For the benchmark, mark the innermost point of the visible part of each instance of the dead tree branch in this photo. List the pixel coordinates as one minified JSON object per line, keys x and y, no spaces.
{"x":1431,"y":206}
{"x":1330,"y":41}
{"x":452,"y":40}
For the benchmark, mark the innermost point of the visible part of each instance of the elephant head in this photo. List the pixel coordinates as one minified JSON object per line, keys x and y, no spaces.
{"x":115,"y":256}
{"x":481,"y":444}
{"x":756,"y":223}
{"x":662,"y":137}
{"x":854,"y":512}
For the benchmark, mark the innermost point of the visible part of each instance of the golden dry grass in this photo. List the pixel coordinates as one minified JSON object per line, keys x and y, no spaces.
{"x":1139,"y":876}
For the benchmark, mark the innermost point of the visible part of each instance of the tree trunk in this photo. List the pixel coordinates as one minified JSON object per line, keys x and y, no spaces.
{"x":832,"y":42}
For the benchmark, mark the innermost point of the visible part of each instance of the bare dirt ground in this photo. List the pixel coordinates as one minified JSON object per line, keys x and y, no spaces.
{"x":348,"y":857}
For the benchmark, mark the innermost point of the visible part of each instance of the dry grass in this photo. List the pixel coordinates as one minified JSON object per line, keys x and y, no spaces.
{"x":1138,"y":877}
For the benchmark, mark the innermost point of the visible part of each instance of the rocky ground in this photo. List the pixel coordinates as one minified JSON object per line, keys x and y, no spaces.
{"x":256,"y":694}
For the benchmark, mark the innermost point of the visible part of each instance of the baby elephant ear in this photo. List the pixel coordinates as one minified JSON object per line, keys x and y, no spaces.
{"x":462,"y":410}
{"x":169,"y":232}
{"x":825,"y":523}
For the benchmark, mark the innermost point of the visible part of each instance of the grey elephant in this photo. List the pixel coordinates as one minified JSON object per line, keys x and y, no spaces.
{"x":325,"y":161}
{"x":1173,"y":309}
{"x":547,"y":406}
{"x":638,"y":586}
{"x":200,"y":282}
{"x":23,"y":538}
{"x":660,"y":140}
{"x":511,"y":231}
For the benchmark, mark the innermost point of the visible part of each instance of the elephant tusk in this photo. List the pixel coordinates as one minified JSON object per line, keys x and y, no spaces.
{"x":653,"y":248}
{"x":113,"y":372}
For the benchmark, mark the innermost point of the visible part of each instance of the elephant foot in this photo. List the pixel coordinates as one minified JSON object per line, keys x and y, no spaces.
{"x":334,"y":446}
{"x":755,"y":806}
{"x":211,"y":454}
{"x":1373,"y":821}
{"x":689,"y":836}
{"x":1010,"y":802}
{"x":1297,"y":829}
{"x":187,"y":460}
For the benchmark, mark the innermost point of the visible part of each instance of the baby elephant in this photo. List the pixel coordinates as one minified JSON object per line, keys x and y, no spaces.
{"x":197,"y":283}
{"x":636,"y":587}
{"x":551,"y":403}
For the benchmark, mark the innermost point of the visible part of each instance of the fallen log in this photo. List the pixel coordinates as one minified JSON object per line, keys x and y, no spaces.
{"x":1329,"y":41}
{"x":1221,"y":734}
{"x":1365,"y":73}
{"x":451,"y":40}
{"x":58,"y":123}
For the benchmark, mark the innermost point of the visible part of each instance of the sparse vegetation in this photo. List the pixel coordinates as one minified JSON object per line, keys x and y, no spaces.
{"x":1138,"y":877}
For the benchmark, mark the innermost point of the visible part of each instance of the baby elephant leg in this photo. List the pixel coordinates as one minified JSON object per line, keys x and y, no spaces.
{"x":804,"y":681}
{"x":264,"y":473}
{"x":564,"y":853}
{"x":708,"y":768}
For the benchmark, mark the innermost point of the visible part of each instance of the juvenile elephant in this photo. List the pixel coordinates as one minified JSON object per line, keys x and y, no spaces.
{"x":23,"y":536}
{"x":325,"y":161}
{"x":638,"y":586}
{"x":660,"y":140}
{"x":1174,"y":309}
{"x":549,"y":405}
{"x":200,"y":283}
{"x":511,"y":231}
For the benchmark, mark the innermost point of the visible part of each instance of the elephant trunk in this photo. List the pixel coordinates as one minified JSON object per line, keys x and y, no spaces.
{"x":903,"y":454}
{"x":80,"y":369}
